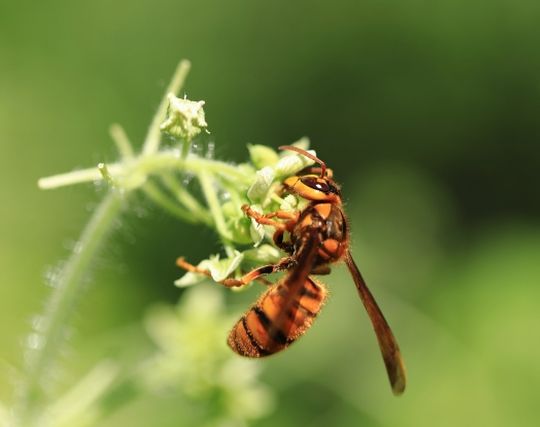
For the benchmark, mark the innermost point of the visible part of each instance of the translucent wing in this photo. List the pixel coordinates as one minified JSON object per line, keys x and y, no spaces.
{"x":387,"y":343}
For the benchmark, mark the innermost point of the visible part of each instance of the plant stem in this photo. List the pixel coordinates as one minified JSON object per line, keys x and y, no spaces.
{"x":61,"y":304}
{"x":183,"y":196}
{"x":120,"y":138}
{"x":149,"y":164}
{"x":43,"y":351}
{"x":154,"y":193}
{"x":207,"y":186}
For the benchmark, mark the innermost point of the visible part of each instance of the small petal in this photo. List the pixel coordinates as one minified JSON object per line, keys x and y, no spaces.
{"x":256,"y":230}
{"x":263,"y":181}
{"x":289,"y":203}
{"x":222,"y":269}
{"x":291,"y":164}
{"x":189,"y":279}
{"x":264,"y":254}
{"x":262,"y":156}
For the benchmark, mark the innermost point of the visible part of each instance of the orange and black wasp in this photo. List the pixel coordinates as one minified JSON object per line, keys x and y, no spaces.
{"x":313,"y":238}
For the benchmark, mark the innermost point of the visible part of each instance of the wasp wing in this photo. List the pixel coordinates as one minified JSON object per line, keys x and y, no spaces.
{"x":387,"y":342}
{"x":284,"y":312}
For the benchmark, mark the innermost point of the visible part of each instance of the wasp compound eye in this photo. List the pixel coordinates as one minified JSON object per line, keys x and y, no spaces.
{"x":316,"y":183}
{"x":333,"y":189}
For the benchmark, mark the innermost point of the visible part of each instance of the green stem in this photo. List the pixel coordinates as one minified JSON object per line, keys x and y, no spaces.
{"x":186,"y":148}
{"x":66,"y":290}
{"x":183,"y":196}
{"x":207,"y":186}
{"x":46,"y":344}
{"x":120,"y":138}
{"x":166,"y":161}
{"x":150,"y":164}
{"x":153,"y":192}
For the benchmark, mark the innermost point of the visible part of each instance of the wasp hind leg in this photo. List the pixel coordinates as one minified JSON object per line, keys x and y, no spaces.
{"x":255,"y":274}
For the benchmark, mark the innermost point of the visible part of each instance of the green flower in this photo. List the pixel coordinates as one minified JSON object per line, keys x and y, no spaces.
{"x":185,"y":118}
{"x":194,"y":359}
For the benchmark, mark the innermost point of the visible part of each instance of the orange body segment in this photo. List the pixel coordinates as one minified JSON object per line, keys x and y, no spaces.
{"x":277,"y":319}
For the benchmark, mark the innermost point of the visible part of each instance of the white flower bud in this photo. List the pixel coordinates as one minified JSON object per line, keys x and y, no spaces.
{"x":291,"y":164}
{"x":185,"y":118}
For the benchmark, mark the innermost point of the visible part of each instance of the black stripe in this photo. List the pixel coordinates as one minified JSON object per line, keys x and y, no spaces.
{"x":275,"y":334}
{"x":278,"y":336}
{"x":263,"y":318}
{"x":251,"y":338}
{"x":298,"y":305}
{"x":305,"y":292}
{"x":266,"y":269}
{"x":291,"y":314}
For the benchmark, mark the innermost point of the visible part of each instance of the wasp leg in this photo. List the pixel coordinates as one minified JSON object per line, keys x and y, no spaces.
{"x":254,"y":274}
{"x":321,"y":270}
{"x":266,"y":219}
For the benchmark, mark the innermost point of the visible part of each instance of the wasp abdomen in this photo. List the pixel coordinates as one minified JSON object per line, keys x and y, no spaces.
{"x":279,"y":318}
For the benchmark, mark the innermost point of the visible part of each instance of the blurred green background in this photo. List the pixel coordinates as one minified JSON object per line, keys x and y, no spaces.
{"x":429,"y":113}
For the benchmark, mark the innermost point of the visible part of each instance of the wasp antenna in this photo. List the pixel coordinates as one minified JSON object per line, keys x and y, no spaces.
{"x":308,"y":155}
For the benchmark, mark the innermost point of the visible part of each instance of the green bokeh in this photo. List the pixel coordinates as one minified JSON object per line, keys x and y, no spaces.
{"x":429,"y":115}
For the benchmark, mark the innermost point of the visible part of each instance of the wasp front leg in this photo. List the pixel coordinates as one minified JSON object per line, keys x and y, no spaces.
{"x":280,"y":227}
{"x":255,"y":274}
{"x":268,"y":219}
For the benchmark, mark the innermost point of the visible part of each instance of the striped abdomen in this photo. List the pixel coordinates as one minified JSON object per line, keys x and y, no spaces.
{"x":280,"y":316}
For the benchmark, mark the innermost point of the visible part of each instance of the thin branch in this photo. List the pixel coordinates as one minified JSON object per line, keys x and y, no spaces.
{"x":214,"y":205}
{"x":120,"y":138}
{"x":61,"y":304}
{"x":157,"y":163}
{"x":45,"y":348}
{"x":154,"y":193}
{"x":183,"y":196}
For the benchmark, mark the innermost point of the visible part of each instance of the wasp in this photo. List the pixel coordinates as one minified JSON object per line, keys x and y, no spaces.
{"x":313,"y":238}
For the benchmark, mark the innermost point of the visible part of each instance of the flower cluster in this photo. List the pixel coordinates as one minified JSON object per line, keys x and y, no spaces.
{"x":193,"y":359}
{"x":264,"y":174}
{"x":191,"y":355}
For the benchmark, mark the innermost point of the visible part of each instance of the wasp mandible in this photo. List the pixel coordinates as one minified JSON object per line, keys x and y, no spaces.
{"x":314,"y":238}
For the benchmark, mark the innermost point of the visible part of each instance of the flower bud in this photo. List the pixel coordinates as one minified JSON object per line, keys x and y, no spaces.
{"x":262,"y":156}
{"x":185,"y":118}
{"x":263,"y":180}
{"x":291,"y":164}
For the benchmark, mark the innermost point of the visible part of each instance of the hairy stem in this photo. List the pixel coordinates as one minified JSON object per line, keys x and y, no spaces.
{"x":43,"y":352}
{"x":163,"y":161}
{"x":60,"y":307}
